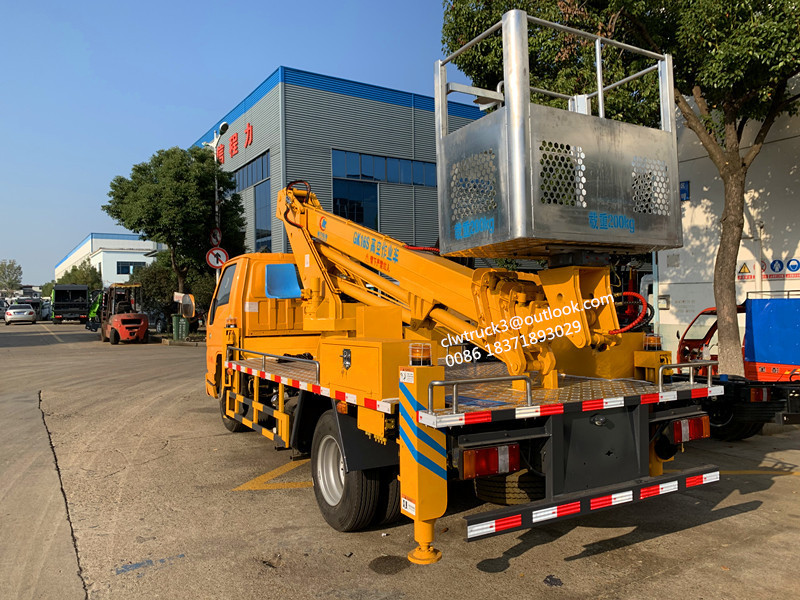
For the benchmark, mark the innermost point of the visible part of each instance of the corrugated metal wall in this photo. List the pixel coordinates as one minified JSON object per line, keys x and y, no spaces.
{"x":318,"y":121}
{"x":301,"y":125}
{"x":265,"y":118}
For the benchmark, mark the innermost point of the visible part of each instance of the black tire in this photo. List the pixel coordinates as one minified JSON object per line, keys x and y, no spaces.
{"x":33,"y":322}
{"x":347,"y":501}
{"x":113,"y":337}
{"x":516,"y":488}
{"x":735,"y":431}
{"x":146,"y":337}
{"x":231,"y":425}
{"x":388,"y":509}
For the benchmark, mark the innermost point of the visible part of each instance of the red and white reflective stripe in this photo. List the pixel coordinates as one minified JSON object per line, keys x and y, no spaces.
{"x":379,"y":405}
{"x":611,"y":500}
{"x":494,"y":526}
{"x":657,"y":490}
{"x":554,"y":512}
{"x":701,"y":479}
{"x":603,"y":403}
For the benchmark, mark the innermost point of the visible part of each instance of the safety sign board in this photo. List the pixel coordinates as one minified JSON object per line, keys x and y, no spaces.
{"x":776,"y":269}
{"x":216,"y":236}
{"x":216,"y":257}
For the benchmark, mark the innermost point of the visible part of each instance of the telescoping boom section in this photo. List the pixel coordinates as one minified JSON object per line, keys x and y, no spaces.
{"x":397,"y":369}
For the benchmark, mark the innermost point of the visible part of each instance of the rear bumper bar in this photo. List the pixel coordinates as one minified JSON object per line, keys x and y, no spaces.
{"x":515,"y":518}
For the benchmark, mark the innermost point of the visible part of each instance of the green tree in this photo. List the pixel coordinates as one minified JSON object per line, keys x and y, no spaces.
{"x":170,"y":200}
{"x":47,"y":288}
{"x":81,"y":274}
{"x":733,"y":61}
{"x":10,"y":276}
{"x":159,"y":283}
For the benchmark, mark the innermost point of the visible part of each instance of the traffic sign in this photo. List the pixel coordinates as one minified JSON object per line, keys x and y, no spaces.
{"x":216,"y":236}
{"x":216,"y":257}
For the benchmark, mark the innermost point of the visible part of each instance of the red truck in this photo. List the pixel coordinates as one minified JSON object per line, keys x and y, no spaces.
{"x":770,"y":390}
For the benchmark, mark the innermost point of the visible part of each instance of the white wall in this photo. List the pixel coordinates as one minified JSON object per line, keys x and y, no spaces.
{"x":772,"y":196}
{"x":104,"y":251}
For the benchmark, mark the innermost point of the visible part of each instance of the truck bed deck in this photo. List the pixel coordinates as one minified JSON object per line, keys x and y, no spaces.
{"x":488,"y":401}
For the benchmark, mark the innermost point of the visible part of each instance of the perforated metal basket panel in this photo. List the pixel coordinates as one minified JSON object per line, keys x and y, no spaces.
{"x":473,"y":185}
{"x":650,"y":186}
{"x":562,"y":174}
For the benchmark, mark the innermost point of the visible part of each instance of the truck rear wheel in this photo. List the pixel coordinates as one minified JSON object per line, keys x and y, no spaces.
{"x":516,"y":488}
{"x":347,"y":501}
{"x":113,"y":337}
{"x":734,"y":431}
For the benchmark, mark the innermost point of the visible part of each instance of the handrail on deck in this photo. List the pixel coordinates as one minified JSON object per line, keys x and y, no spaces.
{"x":695,"y":364}
{"x":265,"y":355}
{"x":456,"y":382}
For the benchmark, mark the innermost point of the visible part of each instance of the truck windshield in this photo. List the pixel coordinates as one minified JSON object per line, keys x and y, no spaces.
{"x":223,"y":292}
{"x":700,"y":327}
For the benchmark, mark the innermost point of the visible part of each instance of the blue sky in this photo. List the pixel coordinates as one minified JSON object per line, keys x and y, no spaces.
{"x":91,"y":88}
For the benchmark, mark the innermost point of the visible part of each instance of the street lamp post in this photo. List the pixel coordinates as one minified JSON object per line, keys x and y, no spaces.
{"x":223,"y":127}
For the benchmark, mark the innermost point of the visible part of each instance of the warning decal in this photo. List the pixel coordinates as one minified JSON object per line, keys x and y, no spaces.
{"x":744,"y":269}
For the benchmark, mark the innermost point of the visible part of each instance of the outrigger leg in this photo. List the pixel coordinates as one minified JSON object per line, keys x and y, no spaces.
{"x":423,"y":461}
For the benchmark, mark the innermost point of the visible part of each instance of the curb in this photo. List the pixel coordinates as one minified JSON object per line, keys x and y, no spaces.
{"x":181,"y":343}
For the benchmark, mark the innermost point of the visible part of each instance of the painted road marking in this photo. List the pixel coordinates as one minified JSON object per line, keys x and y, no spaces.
{"x":47,"y":329}
{"x":260,"y":482}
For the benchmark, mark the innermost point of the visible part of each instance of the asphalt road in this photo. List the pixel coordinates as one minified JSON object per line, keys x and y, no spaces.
{"x":163,"y":502}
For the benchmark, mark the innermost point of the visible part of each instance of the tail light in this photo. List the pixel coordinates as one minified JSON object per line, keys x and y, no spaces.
{"x":759,"y":394}
{"x":696,"y":428}
{"x":30,"y":312}
{"x":489,"y":461}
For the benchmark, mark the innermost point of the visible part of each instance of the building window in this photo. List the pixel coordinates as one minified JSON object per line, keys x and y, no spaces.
{"x":356,"y":201}
{"x":255,"y":171}
{"x":366,"y":167}
{"x":126,"y":268}
{"x":263,"y":218}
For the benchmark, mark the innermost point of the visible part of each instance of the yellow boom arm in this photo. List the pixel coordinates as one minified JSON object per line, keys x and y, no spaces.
{"x":503,"y":312}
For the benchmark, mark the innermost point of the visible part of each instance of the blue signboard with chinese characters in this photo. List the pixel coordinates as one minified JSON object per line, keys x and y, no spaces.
{"x":684,"y":191}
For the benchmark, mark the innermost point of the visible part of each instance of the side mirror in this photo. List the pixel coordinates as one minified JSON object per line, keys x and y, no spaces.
{"x":187,"y":306}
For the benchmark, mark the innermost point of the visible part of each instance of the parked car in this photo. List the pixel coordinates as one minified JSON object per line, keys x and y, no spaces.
{"x":20,"y":313}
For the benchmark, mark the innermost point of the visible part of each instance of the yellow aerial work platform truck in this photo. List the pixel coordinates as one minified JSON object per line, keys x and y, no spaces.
{"x":398,"y":369}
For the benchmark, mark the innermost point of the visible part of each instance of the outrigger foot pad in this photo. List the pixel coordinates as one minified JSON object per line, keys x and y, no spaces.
{"x":425,"y":555}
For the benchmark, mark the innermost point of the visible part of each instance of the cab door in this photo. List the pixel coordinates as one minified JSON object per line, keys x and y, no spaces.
{"x":225,"y":304}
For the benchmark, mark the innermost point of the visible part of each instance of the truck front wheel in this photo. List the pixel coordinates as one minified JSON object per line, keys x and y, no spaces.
{"x":231,"y":425}
{"x":347,"y":501}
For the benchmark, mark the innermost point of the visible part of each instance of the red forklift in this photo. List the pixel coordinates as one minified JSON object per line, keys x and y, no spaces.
{"x":121,"y":317}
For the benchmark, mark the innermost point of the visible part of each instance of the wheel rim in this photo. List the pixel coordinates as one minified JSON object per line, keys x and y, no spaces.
{"x":330,"y":470}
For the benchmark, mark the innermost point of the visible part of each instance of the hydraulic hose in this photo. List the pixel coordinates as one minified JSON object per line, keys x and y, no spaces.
{"x":638,"y":319}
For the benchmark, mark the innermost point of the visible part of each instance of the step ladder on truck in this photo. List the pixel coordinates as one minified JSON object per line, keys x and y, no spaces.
{"x":398,"y":369}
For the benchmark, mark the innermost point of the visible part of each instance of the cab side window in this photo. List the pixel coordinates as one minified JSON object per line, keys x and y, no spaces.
{"x":223,"y":292}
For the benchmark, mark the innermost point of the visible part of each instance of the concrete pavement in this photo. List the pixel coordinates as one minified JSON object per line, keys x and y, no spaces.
{"x":37,"y":554}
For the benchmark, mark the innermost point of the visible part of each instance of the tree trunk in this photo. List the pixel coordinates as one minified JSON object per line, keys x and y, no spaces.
{"x":730,"y":345}
{"x":180,"y":272}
